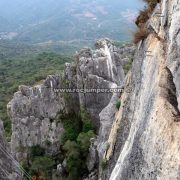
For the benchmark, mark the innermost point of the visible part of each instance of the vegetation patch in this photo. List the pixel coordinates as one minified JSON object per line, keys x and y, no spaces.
{"x":36,"y":150}
{"x":27,"y":71}
{"x":103,"y":164}
{"x":72,"y":125}
{"x":152,"y":3}
{"x":47,"y":143}
{"x":140,"y":34}
{"x":142,"y":19}
{"x":38,"y":163}
{"x":76,"y":154}
{"x":86,"y":120}
{"x":118,"y":104}
{"x":127,"y":66}
{"x":75,"y":143}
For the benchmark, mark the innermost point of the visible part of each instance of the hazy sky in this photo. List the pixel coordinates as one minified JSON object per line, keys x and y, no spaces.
{"x":51,"y":18}
{"x":10,"y":8}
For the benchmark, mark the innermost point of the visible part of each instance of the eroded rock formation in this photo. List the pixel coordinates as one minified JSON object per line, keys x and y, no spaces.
{"x":139,"y":141}
{"x":34,"y":110}
{"x":101,"y":68}
{"x":144,"y":141}
{"x":9,"y":169}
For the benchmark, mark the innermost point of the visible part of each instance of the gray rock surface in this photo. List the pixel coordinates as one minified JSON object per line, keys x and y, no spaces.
{"x":33,"y":111}
{"x":92,"y":176}
{"x":106,"y":120}
{"x":139,"y":141}
{"x":93,"y":159}
{"x":125,"y":55}
{"x":8,"y":169}
{"x":101,"y":68}
{"x":144,"y":141}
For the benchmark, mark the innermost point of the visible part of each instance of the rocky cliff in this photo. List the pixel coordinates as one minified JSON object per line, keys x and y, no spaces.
{"x":144,"y":141}
{"x":32,"y":111}
{"x":9,"y":169}
{"x":138,"y":138}
{"x":35,"y":111}
{"x":98,"y":69}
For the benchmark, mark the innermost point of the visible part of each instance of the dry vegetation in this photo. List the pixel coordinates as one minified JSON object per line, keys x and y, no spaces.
{"x":140,"y":34}
{"x":152,"y":3}
{"x":142,"y":19}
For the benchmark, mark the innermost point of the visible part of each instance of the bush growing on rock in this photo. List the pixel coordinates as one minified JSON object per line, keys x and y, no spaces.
{"x":127,"y":66}
{"x":84,"y":141}
{"x":143,"y":17}
{"x":42,"y":167}
{"x":72,"y":126}
{"x":141,"y":20}
{"x":118,"y":104}
{"x":139,"y":35}
{"x":86,"y":120}
{"x":75,"y":163}
{"x":47,"y":142}
{"x":152,"y":3}
{"x":76,"y":142}
{"x":36,"y":150}
{"x":76,"y":153}
{"x":103,"y":164}
{"x":38,"y":163}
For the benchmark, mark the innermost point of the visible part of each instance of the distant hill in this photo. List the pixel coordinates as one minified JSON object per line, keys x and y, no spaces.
{"x":6,"y":25}
{"x":38,"y":21}
{"x":12,"y":49}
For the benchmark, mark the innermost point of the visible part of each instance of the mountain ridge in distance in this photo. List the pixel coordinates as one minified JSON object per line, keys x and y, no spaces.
{"x":37,"y":21}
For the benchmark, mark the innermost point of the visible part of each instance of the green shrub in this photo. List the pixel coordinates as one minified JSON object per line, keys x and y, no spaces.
{"x":72,"y":149}
{"x":38,"y":163}
{"x":76,"y":142}
{"x":42,"y":166}
{"x":118,"y":104}
{"x":36,"y":150}
{"x":76,"y":164}
{"x":127,"y":66}
{"x":103,"y":164}
{"x":76,"y":154}
{"x":47,"y":142}
{"x":72,"y":127}
{"x":86,"y":120}
{"x":84,"y":141}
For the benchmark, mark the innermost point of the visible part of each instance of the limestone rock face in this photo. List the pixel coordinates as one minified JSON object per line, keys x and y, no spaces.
{"x":144,"y":141}
{"x":33,"y":111}
{"x":101,"y":68}
{"x":141,"y":140}
{"x":8,"y":168}
{"x":92,"y":159}
{"x":106,"y":120}
{"x":92,"y":176}
{"x":125,"y":54}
